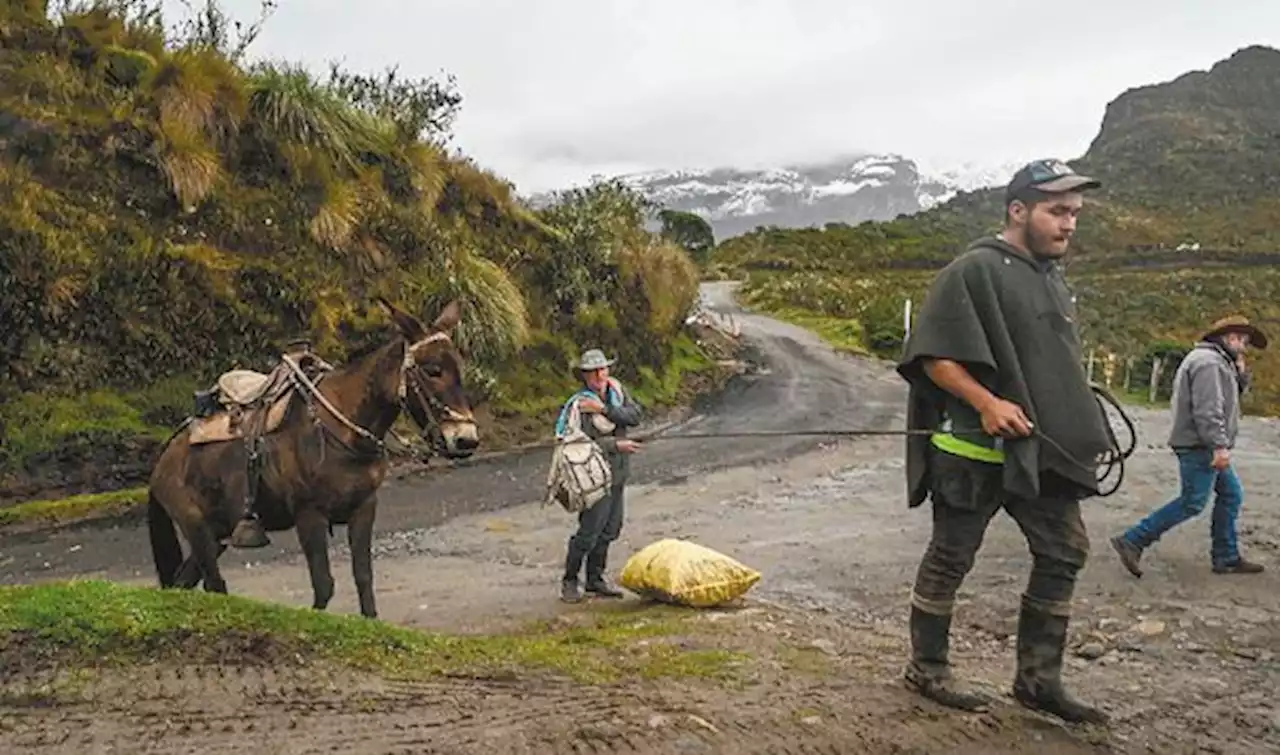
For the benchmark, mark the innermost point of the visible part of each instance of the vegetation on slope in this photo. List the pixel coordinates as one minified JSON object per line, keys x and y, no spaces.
{"x":92,"y":623}
{"x":170,"y":213}
{"x":1191,"y":163}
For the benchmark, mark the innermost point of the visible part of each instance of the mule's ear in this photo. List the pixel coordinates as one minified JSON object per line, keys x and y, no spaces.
{"x":409,"y":325}
{"x":449,"y":317}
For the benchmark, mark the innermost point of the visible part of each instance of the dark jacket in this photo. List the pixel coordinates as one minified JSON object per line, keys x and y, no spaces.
{"x":1011,"y":322}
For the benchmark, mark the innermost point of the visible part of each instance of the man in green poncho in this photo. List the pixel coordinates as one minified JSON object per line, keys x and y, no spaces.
{"x":994,"y":366}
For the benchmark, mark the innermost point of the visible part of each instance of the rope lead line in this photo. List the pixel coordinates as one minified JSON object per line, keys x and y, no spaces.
{"x":1110,"y":461}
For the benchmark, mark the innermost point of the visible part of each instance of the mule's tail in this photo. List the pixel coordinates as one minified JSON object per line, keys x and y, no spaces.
{"x":166,"y":551}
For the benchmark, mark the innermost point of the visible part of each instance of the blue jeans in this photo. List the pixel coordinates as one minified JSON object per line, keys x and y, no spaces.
{"x":1199,"y":479}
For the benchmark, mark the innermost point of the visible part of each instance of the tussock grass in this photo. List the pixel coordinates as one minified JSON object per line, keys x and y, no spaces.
{"x":171,"y":214}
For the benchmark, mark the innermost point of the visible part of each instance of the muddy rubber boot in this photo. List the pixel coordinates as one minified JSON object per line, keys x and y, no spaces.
{"x":1130,"y":554}
{"x":596,"y":582}
{"x":929,"y":672}
{"x":569,"y":591}
{"x":249,"y":534}
{"x":1042,"y":638}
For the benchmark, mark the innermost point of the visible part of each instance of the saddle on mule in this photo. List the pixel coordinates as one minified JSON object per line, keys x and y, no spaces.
{"x":244,"y":404}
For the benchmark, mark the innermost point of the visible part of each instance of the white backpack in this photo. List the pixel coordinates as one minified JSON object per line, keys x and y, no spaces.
{"x":580,"y":474}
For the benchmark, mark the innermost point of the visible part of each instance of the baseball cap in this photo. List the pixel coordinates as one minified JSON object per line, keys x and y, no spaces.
{"x":1048,"y":176}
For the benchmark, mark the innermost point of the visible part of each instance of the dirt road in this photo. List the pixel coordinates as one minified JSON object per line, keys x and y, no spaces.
{"x":799,"y":384}
{"x":1185,"y":660}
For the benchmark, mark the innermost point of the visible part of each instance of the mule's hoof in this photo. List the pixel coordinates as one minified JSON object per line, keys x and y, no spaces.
{"x":249,"y":534}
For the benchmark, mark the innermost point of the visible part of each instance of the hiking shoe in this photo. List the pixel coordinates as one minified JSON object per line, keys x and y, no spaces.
{"x":569,"y":591}
{"x":249,"y":534}
{"x":1130,"y":554}
{"x":603,"y":589}
{"x":1239,"y":566}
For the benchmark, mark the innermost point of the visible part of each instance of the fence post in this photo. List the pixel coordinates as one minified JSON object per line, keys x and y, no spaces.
{"x":1128,"y":374}
{"x":1156,"y":365}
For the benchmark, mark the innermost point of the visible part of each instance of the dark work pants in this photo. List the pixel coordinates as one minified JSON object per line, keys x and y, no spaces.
{"x":966,"y":495}
{"x":598,"y":526}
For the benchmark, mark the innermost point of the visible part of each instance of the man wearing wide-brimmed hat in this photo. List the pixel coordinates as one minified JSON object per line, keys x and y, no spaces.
{"x":606,"y":410}
{"x":1206,"y":419}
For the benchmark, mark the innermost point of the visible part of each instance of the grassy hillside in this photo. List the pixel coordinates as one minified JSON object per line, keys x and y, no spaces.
{"x":1191,"y":163}
{"x":169,"y":212}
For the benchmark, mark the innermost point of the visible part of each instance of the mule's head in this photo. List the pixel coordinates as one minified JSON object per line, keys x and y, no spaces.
{"x":433,"y":393}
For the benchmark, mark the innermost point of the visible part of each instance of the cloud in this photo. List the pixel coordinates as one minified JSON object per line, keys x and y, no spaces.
{"x":556,"y":91}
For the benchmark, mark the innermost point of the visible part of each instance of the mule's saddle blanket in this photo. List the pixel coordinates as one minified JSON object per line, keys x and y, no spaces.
{"x":242,"y":387}
{"x":254,"y":404}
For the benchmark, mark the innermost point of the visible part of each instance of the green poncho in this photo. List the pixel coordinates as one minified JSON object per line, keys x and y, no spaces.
{"x":1010,"y":320}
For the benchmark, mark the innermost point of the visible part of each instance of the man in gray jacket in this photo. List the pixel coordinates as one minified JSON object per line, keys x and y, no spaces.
{"x":1206,"y":419}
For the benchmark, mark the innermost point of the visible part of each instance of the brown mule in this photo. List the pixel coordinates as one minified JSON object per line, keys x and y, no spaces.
{"x":322,"y":460}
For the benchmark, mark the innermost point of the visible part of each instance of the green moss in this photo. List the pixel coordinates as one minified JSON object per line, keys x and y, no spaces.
{"x":809,"y":661}
{"x":93,"y":622}
{"x":662,"y":388}
{"x":76,"y":507}
{"x":128,"y":68}
{"x":39,"y":424}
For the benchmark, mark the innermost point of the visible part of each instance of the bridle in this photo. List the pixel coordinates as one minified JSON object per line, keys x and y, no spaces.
{"x":432,"y":408}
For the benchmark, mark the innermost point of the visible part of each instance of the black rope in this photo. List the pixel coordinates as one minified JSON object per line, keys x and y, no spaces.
{"x":1111,"y":461}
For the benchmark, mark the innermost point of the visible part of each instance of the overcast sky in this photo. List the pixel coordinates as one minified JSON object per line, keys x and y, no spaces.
{"x":557,"y":90}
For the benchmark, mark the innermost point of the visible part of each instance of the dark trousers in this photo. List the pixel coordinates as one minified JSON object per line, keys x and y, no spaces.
{"x":598,"y":526}
{"x":966,"y":495}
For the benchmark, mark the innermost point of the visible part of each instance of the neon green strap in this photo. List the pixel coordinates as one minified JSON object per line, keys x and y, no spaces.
{"x":964,"y":449}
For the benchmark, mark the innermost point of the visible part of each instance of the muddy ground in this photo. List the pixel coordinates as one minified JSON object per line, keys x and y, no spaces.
{"x":1185,"y":660}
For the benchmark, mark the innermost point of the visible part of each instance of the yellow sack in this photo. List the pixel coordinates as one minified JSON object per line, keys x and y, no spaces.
{"x":677,"y":571}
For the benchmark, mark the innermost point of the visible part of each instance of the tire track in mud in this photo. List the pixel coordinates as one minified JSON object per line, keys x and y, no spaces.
{"x":217,"y":709}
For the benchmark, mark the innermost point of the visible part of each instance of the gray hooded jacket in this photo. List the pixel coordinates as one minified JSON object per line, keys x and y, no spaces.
{"x":1206,"y":399}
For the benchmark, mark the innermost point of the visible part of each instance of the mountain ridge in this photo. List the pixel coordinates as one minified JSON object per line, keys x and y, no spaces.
{"x":849,"y":188}
{"x":1184,"y":230}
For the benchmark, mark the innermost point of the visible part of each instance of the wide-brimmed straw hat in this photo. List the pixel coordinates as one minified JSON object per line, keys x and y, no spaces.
{"x":593,"y":359}
{"x":1237,"y":324}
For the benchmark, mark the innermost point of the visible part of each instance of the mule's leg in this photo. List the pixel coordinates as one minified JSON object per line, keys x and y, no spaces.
{"x":313,"y":536}
{"x":188,"y":575}
{"x":189,"y":572}
{"x":360,"y":536}
{"x":206,"y":549}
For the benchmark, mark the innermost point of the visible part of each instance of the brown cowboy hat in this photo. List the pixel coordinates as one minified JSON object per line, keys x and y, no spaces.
{"x":1237,"y":324}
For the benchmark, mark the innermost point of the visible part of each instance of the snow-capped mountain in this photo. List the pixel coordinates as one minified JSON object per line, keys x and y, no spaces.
{"x":848,"y":190}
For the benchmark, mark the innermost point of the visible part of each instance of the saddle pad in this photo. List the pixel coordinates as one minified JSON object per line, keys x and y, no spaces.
{"x":243,"y":387}
{"x":217,"y":428}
